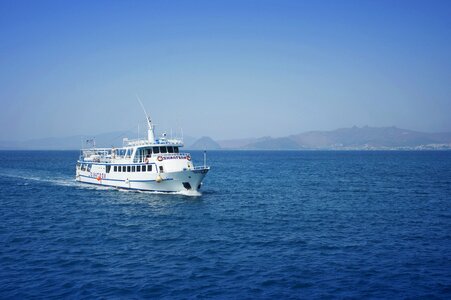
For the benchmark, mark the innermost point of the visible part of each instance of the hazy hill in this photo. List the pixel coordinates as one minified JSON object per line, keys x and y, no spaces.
{"x":240,"y":143}
{"x":66,"y":143}
{"x":203,"y":143}
{"x":368,"y":136}
{"x":189,"y":140}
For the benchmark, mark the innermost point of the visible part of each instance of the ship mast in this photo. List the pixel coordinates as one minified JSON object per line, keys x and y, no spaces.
{"x":150,"y":126}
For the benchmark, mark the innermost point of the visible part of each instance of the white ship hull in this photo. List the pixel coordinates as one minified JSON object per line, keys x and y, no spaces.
{"x":187,"y":180}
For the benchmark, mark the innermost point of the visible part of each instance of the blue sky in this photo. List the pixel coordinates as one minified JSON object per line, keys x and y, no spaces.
{"x":224,"y":69}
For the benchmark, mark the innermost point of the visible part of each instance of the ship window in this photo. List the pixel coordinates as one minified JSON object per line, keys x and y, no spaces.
{"x":149,"y":151}
{"x":115,"y":168}
{"x":143,"y":169}
{"x":119,"y":168}
{"x":123,"y":169}
{"x":170,"y":149}
{"x":133,"y":168}
{"x":138,"y":168}
{"x":108,"y":168}
{"x":161,"y":169}
{"x":163,"y":150}
{"x":176,"y":149}
{"x":156,"y":150}
{"x":89,"y":168}
{"x":128,"y":168}
{"x":149,"y":168}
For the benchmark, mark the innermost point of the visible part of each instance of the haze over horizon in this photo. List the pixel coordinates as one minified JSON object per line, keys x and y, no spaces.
{"x":225,"y":69}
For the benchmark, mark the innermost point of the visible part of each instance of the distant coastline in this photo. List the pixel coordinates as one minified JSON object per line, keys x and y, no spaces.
{"x":344,"y":139}
{"x":354,"y":138}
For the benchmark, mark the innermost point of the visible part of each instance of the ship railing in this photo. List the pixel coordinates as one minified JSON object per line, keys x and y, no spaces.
{"x":184,"y":155}
{"x":202,"y":168}
{"x":96,"y":155}
{"x":97,"y":151}
{"x":95,"y":159}
{"x":170,"y":154}
{"x":169,"y":142}
{"x":141,"y":142}
{"x":135,"y":142}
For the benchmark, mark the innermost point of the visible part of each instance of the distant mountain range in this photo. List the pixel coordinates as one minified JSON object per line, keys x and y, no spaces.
{"x":354,"y":138}
{"x":66,"y":143}
{"x":369,"y":137}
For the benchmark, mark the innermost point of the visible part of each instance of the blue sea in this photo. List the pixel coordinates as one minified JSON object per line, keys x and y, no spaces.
{"x":269,"y":225}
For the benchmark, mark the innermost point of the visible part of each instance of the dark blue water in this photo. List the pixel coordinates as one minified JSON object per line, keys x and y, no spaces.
{"x":269,"y":225}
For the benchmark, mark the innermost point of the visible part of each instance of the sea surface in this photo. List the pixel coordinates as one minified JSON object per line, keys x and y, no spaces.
{"x":269,"y":225}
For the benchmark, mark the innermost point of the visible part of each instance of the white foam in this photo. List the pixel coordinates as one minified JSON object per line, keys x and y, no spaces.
{"x":190,"y":193}
{"x":184,"y":193}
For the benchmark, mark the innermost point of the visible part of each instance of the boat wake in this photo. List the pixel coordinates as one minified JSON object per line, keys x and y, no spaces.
{"x":71,"y":182}
{"x":46,"y":179}
{"x":60,"y":181}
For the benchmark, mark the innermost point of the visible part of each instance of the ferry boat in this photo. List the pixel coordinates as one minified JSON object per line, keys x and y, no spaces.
{"x":152,"y":164}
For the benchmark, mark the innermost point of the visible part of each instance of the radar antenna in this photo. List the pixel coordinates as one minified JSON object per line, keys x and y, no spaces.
{"x":149,"y":121}
{"x":150,"y":129}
